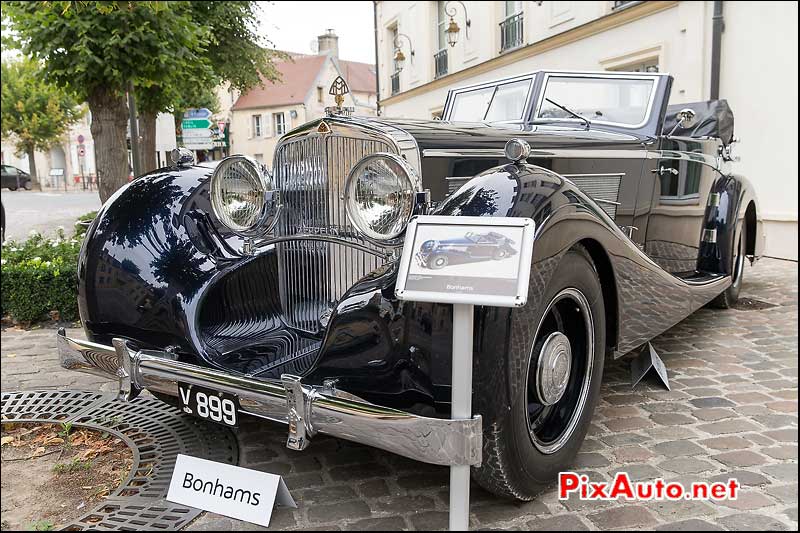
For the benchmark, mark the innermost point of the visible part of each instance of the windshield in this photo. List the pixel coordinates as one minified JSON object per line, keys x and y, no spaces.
{"x":499,"y":103}
{"x":612,"y":100}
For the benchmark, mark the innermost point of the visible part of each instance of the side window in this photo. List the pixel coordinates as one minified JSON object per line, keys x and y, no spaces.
{"x":509,"y":101}
{"x":256,"y":125}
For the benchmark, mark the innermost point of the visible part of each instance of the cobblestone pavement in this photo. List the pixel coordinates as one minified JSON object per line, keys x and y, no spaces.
{"x":732,"y":412}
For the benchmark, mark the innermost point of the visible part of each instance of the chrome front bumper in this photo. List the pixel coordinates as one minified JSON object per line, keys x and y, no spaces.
{"x":307,"y":410}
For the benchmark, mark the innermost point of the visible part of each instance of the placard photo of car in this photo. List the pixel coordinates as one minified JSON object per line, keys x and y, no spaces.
{"x":472,"y":247}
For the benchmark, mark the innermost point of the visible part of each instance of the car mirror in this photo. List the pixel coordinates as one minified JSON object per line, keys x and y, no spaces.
{"x":687,"y":118}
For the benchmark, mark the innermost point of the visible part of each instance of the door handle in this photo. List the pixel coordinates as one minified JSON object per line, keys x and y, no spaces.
{"x":663,"y":170}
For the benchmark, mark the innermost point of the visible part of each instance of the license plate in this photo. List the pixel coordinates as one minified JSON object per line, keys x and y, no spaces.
{"x":208,"y":404}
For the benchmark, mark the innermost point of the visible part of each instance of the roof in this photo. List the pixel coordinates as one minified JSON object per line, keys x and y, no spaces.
{"x":298,"y":75}
{"x":360,"y":77}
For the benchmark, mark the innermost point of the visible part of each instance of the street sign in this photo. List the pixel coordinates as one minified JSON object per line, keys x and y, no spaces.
{"x":200,"y":132}
{"x":80,"y":139}
{"x":81,"y":151}
{"x":198,"y":144}
{"x":197,"y":113}
{"x":195,"y":123}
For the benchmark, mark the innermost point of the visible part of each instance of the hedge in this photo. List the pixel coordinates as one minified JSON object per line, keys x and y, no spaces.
{"x":39,"y":278}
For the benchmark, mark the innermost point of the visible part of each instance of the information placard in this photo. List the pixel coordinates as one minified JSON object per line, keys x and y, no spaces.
{"x":228,"y":490}
{"x":466,"y":260}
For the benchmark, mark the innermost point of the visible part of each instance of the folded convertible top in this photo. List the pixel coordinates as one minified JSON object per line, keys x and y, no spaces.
{"x":714,"y":119}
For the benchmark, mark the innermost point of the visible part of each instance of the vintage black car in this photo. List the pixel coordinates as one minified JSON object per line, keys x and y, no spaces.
{"x":472,"y":247}
{"x":240,"y":291}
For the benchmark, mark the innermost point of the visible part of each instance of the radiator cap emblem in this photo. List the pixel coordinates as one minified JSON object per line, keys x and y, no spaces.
{"x":338,"y":89}
{"x":323,"y":128}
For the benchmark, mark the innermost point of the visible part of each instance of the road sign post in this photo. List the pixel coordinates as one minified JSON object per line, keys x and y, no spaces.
{"x":446,"y":260}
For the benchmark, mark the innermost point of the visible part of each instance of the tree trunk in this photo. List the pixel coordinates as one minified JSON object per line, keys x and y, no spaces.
{"x":147,"y":145}
{"x":109,"y":120}
{"x":32,"y":164}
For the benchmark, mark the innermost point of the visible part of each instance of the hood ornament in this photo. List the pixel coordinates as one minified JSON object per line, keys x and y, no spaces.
{"x":338,"y":89}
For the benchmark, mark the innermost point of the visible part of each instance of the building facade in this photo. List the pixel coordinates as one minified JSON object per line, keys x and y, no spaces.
{"x":260,"y":116}
{"x":758,"y":65}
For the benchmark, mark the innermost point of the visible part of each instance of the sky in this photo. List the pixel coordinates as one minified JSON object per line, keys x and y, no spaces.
{"x":294,"y":25}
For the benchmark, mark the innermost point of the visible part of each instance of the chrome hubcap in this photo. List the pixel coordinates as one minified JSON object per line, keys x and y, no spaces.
{"x":560,"y":371}
{"x":552,"y":370}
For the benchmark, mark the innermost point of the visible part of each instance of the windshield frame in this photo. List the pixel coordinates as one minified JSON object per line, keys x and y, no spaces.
{"x":654,"y":78}
{"x":454,"y":93}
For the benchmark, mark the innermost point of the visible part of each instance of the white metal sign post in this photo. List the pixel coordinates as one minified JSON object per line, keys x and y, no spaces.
{"x":465,"y":261}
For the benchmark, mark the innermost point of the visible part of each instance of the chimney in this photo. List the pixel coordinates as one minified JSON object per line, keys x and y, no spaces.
{"x":329,"y":43}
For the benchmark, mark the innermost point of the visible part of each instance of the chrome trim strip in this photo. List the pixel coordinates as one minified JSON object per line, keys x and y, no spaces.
{"x":590,"y":153}
{"x":598,"y":175}
{"x":430,"y":440}
{"x":312,"y":237}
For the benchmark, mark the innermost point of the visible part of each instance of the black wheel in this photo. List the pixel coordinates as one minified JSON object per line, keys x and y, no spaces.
{"x":558,"y":377}
{"x":730,"y":296}
{"x":437,"y":261}
{"x":12,"y":188}
{"x":28,"y":185}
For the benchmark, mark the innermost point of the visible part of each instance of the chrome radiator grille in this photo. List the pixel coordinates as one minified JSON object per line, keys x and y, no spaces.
{"x":311,"y":173}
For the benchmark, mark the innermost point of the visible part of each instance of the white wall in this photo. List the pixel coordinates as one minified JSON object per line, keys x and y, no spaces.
{"x":759,"y":72}
{"x":759,"y":80}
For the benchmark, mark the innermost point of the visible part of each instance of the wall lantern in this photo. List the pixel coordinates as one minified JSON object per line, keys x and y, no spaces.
{"x":453,"y":29}
{"x":399,"y":56}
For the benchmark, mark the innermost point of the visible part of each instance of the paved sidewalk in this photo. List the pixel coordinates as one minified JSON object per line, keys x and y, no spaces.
{"x":732,"y":412}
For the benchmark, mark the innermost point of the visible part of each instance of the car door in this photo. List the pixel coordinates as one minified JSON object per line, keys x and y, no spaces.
{"x":682,"y":173}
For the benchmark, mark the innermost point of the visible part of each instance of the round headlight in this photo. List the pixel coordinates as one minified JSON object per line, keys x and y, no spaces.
{"x":239,"y":190}
{"x":380,"y":195}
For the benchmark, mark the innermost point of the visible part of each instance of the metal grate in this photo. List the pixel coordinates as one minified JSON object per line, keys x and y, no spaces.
{"x":154,"y":433}
{"x":603,"y":188}
{"x":313,"y":275}
{"x":511,"y":32}
{"x":440,"y":63}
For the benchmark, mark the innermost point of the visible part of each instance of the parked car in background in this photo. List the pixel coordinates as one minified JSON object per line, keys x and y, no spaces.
{"x":472,"y":247}
{"x":13,"y":178}
{"x":239,"y":291}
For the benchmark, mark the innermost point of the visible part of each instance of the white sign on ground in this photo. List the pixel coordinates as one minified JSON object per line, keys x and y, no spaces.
{"x":228,"y":490}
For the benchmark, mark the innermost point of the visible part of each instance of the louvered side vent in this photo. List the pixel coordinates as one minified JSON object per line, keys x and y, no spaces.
{"x":602,"y":188}
{"x":313,"y":275}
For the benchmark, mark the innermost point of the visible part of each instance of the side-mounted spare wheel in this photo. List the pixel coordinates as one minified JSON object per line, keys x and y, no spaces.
{"x":559,"y":375}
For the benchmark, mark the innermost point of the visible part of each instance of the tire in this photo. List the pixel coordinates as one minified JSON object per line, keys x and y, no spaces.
{"x":438,"y":261}
{"x":12,"y":189}
{"x":28,"y":185}
{"x":525,"y":446}
{"x":730,"y":296}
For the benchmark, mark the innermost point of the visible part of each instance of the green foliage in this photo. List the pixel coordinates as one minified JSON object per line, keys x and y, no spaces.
{"x":39,"y":277}
{"x":73,"y":466}
{"x":83,"y":222}
{"x":41,"y":525}
{"x":66,"y":429}
{"x":101,"y":45}
{"x":36,"y":112}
